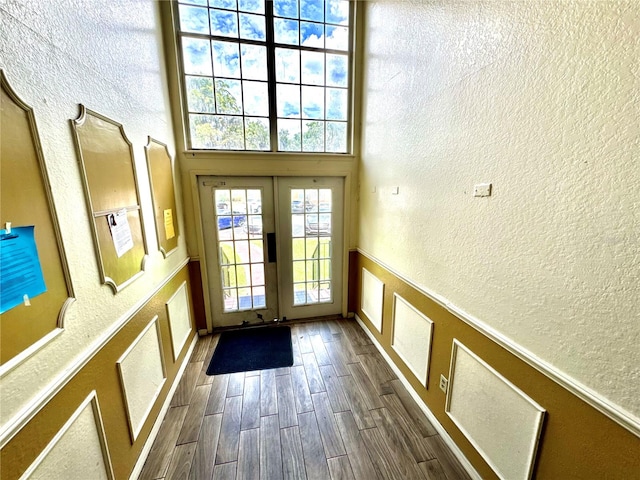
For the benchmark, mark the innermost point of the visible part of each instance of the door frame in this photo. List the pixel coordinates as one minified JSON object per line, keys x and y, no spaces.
{"x":208,"y":187}
{"x":283,"y":171}
{"x":281,"y":184}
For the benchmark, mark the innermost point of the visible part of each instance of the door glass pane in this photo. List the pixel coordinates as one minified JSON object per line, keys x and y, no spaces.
{"x":241,"y":247}
{"x":259,"y":297}
{"x":312,"y":253}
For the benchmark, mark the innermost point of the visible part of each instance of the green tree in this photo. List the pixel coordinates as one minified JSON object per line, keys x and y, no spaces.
{"x":257,"y":134}
{"x":313,"y":137}
{"x":221,"y":131}
{"x":287,"y":143}
{"x":217,"y":123}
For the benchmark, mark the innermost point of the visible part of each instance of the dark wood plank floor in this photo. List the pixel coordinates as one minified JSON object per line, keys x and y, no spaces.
{"x":338,"y":413}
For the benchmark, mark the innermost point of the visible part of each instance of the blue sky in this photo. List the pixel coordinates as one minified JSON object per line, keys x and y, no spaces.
{"x":324,"y":77}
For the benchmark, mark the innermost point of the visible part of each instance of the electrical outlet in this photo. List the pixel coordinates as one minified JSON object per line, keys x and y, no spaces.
{"x":482,"y":190}
{"x":444,"y":383}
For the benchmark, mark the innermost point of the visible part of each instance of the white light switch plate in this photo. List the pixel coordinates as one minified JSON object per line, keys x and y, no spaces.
{"x":482,"y":190}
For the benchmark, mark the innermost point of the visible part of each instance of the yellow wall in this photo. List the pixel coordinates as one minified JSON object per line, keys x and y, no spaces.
{"x":100,"y":374}
{"x":108,"y":56}
{"x":539,"y":98}
{"x":577,"y":441}
{"x":536,"y":97}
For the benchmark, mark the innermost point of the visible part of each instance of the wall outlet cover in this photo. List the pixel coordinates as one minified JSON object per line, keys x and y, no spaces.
{"x":444,"y":383}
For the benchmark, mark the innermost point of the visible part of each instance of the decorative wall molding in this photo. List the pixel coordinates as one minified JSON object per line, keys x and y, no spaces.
{"x":142,"y":375}
{"x":430,"y":416}
{"x":29,"y":352}
{"x":372,"y":298}
{"x":411,"y":337}
{"x":92,"y":402}
{"x":179,"y":315}
{"x":137,"y":469}
{"x":32,"y":408}
{"x":498,"y":419}
{"x":28,"y":201}
{"x":160,"y":168}
{"x":603,"y":405}
{"x":110,"y":183}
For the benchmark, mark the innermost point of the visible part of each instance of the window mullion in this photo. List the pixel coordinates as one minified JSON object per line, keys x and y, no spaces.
{"x":220,"y":130}
{"x":271,"y":77}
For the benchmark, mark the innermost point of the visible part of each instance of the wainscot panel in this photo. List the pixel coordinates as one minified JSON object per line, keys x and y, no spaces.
{"x":100,"y":374}
{"x":577,"y":441}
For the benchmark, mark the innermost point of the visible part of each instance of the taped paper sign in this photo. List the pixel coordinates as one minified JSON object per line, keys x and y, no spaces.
{"x":169,"y":231}
{"x":21,"y":276}
{"x":120,"y":232}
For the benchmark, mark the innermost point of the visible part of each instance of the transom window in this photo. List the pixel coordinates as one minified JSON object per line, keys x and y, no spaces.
{"x":266,"y":75}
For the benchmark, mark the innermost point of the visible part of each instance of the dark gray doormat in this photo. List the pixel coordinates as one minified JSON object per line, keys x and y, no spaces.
{"x":252,"y":349}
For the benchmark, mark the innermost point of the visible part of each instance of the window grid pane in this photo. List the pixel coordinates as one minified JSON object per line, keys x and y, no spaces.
{"x":225,"y":47}
{"x":311,"y":217}
{"x":241,"y":248}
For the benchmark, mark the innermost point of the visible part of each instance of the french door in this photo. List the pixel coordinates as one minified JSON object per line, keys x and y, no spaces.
{"x":273,"y":247}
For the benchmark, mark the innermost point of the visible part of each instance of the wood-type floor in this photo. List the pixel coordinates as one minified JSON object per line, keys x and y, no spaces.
{"x":339,"y":412}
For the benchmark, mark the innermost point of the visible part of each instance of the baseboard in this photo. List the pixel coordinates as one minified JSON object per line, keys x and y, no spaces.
{"x":430,"y":416}
{"x":137,"y":469}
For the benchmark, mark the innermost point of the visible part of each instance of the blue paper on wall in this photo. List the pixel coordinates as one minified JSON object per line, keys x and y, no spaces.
{"x":20,"y":271}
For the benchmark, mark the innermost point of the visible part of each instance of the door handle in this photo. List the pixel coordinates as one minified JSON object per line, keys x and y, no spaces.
{"x":271,"y":247}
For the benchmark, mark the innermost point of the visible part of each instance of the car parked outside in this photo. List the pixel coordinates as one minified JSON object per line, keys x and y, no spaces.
{"x":253,"y":226}
{"x":318,"y":224}
{"x":228,"y":219}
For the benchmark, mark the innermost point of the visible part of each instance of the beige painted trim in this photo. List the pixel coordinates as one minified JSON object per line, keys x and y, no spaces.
{"x":29,"y":352}
{"x":177,"y":344}
{"x":35,"y":136}
{"x":154,"y":200}
{"x":539,"y":411}
{"x":430,"y":416}
{"x":142,"y":458}
{"x":76,"y":123}
{"x":357,"y":77}
{"x":375,"y":317}
{"x":92,"y":399}
{"x":202,"y":257}
{"x":134,"y":430}
{"x":31,"y":409}
{"x":613,"y":412}
{"x":424,"y":381}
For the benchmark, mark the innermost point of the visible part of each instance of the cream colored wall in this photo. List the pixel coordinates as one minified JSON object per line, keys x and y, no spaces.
{"x":107,"y":55}
{"x":540,"y":98}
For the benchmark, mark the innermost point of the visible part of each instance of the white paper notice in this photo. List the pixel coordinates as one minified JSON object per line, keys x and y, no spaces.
{"x":120,"y":232}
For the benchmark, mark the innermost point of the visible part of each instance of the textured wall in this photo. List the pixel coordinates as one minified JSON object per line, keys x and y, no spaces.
{"x":542,"y":100}
{"x":107,"y":55}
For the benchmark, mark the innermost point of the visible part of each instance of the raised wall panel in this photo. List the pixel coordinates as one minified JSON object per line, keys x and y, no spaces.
{"x":163,"y":195}
{"x":501,"y":422}
{"x":26,"y":200}
{"x":109,"y":179}
{"x":142,"y":375}
{"x":78,"y":450}
{"x":372,"y":298}
{"x":411,"y":340}
{"x":179,"y":319}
